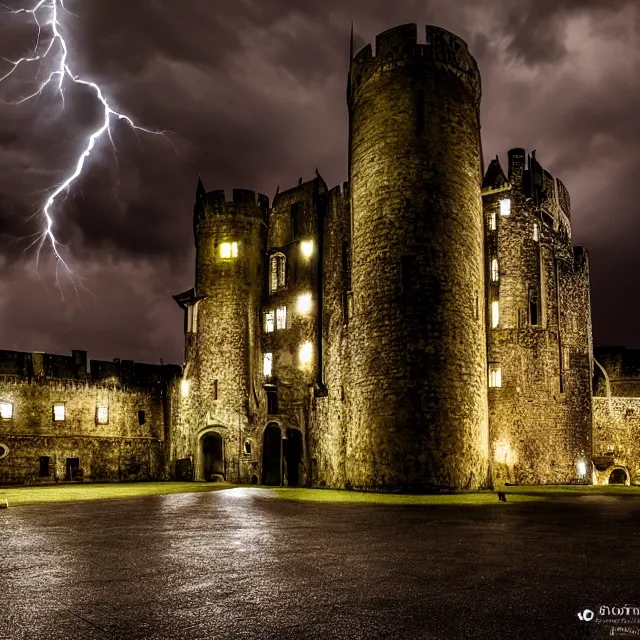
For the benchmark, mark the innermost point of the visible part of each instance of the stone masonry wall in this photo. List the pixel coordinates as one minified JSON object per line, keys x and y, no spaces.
{"x":417,"y":385}
{"x":123,"y":449}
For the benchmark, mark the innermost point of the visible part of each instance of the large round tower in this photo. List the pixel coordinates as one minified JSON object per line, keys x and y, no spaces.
{"x":225,"y":370}
{"x":418,"y":366}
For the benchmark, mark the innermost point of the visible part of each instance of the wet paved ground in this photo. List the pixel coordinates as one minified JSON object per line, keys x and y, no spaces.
{"x":241,"y":564}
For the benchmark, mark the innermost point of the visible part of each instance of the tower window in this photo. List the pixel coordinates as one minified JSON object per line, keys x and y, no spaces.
{"x":495,"y":314}
{"x":505,"y":207}
{"x":141,"y":417}
{"x":307,"y":248}
{"x":214,"y":390}
{"x":493,"y":221}
{"x":228,"y":250}
{"x":267,"y":364}
{"x":6,"y":410}
{"x":58,"y":412}
{"x":304,"y":303}
{"x":281,"y":318}
{"x":305,"y":353}
{"x":247,"y":447}
{"x":536,"y":232}
{"x":102,"y":415}
{"x":277,"y":271}
{"x":495,"y":272}
{"x":269,"y":318}
{"x":495,"y":375}
{"x":346,"y":264}
{"x":272,"y":401}
{"x":534,"y":318}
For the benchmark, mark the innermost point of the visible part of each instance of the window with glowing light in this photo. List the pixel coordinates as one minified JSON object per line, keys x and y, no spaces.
{"x":305,"y":353}
{"x":493,"y":221}
{"x":304,"y":303}
{"x":495,"y":314}
{"x":277,"y":272}
{"x":269,"y":320}
{"x":228,"y":250}
{"x":536,"y":232}
{"x":505,"y":207}
{"x":184,"y":388}
{"x":495,"y":375}
{"x":102,"y":415}
{"x":495,"y":273}
{"x":6,"y":410}
{"x":307,"y":248}
{"x":281,"y":318}
{"x":58,"y":412}
{"x":267,"y":364}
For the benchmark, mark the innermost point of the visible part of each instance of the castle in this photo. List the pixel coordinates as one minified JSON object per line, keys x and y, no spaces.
{"x":426,"y":324}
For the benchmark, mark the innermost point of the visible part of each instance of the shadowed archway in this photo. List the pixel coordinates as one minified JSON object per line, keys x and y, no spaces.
{"x":212,"y":456}
{"x":271,"y":455}
{"x":618,"y":476}
{"x":293,"y":456}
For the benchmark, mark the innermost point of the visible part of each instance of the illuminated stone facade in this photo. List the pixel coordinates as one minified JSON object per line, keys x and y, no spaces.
{"x":68,"y":418}
{"x":420,"y":326}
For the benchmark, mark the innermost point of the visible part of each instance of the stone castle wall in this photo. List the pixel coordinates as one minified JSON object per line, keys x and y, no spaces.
{"x":128,"y":447}
{"x":540,"y":414}
{"x":417,"y":383}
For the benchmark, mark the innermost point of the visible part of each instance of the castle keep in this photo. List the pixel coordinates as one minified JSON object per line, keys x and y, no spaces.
{"x":426,"y":324}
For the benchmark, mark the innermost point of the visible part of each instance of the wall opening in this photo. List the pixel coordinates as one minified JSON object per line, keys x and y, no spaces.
{"x":271,"y":455}
{"x":293,"y":456}
{"x":44,"y":466}
{"x":212,"y":457}
{"x":618,"y":476}
{"x":73,"y":468}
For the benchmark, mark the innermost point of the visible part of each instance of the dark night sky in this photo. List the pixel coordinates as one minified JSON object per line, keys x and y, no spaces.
{"x":254,"y":91}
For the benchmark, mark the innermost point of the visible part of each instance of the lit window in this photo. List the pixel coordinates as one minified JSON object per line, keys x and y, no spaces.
{"x":6,"y":410}
{"x":267,"y":364}
{"x":281,"y":318}
{"x":505,"y":207}
{"x":307,"y":248}
{"x":277,"y":271}
{"x":494,"y":270}
{"x":536,"y":232}
{"x":184,"y":388}
{"x":582,"y":468}
{"x":58,"y":411}
{"x":304,"y":303}
{"x":102,"y":415}
{"x":493,"y":221}
{"x":268,"y":321}
{"x":229,"y":250}
{"x":495,"y":314}
{"x":495,"y":375}
{"x":306,"y":353}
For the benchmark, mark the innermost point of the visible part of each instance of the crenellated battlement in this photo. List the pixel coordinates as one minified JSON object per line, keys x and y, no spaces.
{"x":244,"y":202}
{"x":399,"y":45}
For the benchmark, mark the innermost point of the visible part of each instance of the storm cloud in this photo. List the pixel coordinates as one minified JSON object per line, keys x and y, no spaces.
{"x":253,"y":94}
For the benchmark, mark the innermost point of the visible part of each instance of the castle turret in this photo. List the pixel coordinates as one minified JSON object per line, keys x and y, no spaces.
{"x":222,"y":382}
{"x":418,"y":368}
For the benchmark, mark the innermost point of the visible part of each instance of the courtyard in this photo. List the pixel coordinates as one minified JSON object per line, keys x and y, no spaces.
{"x":271,"y":563}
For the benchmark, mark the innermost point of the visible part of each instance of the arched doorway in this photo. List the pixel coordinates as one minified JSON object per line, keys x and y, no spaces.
{"x":271,"y":455}
{"x":212,"y":456}
{"x":618,"y":476}
{"x":293,"y":456}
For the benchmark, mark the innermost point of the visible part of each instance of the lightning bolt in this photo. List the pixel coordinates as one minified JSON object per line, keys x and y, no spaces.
{"x":61,"y":70}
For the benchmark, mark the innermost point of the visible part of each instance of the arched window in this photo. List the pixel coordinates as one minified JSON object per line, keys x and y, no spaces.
{"x":277,"y":270}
